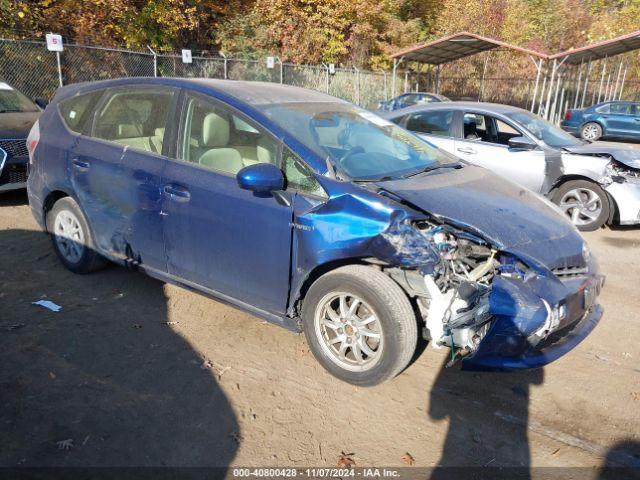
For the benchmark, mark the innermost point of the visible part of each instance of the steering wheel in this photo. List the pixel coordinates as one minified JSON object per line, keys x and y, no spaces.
{"x":352,"y":151}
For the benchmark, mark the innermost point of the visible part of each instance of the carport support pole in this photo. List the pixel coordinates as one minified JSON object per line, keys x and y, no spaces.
{"x":615,"y":88}
{"x":357,"y":85}
{"x":586,"y":84}
{"x":554,"y":107}
{"x":535,"y":88}
{"x":544,"y":85}
{"x":624,"y":76}
{"x":604,"y":68}
{"x":484,"y":72}
{"x":396,"y":62}
{"x":326,"y":77}
{"x":578,"y":84}
{"x":384,"y":79}
{"x":59,"y":68}
{"x":438,"y":79}
{"x":548,"y":104}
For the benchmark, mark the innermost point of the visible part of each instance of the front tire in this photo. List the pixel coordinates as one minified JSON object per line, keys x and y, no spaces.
{"x":584,"y":202}
{"x":72,"y":238}
{"x":360,"y":325}
{"x":591,"y":131}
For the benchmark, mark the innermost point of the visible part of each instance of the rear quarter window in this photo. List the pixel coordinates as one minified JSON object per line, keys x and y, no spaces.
{"x":76,"y":110}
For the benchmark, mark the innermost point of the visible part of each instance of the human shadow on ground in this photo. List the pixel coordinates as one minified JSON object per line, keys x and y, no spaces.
{"x":488,"y":416}
{"x":107,"y":381}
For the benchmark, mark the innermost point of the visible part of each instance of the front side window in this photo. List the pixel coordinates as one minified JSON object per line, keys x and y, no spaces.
{"x":76,"y":110}
{"x":358,"y":143}
{"x":298,"y":175}
{"x":216,"y":138}
{"x":543,"y":130}
{"x":135,"y":117}
{"x":435,"y":123}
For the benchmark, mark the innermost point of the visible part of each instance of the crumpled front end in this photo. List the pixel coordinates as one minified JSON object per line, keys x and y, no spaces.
{"x":495,"y":309}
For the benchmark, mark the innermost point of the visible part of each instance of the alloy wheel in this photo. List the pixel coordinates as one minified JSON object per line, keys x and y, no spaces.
{"x":581,"y":205}
{"x":69,"y":236}
{"x":590,"y":132}
{"x":349,"y":331}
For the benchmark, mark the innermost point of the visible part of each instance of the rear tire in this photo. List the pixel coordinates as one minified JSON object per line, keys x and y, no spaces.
{"x":585,"y":203}
{"x":72,"y":238}
{"x":591,"y":131}
{"x":376,"y":325}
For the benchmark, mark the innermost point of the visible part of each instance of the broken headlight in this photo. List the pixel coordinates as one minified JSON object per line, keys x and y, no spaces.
{"x":620,"y":173}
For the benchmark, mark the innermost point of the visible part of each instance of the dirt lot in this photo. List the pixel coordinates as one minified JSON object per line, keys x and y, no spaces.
{"x":135,"y":372}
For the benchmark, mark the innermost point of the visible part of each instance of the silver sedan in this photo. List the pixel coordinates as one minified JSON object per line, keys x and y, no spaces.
{"x":593,"y":184}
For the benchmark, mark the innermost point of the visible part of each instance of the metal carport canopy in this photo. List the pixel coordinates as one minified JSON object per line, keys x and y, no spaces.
{"x":454,"y":47}
{"x":607,"y":48}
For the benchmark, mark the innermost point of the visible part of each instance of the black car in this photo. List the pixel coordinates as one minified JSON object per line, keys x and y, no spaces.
{"x":17,"y":116}
{"x":409,"y":99}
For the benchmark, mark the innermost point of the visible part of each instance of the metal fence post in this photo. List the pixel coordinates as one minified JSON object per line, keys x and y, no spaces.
{"x":225,"y":63}
{"x":384,"y":76}
{"x":59,"y":68}
{"x":155,"y":61}
{"x":326,"y":77}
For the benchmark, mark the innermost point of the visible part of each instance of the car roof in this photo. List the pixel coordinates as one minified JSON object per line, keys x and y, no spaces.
{"x":253,"y":93}
{"x":476,"y":106}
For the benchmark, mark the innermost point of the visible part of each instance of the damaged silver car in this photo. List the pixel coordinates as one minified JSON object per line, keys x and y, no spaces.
{"x":594,"y":184}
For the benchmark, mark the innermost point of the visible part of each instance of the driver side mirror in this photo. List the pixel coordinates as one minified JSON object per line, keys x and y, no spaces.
{"x":260,"y":178}
{"x":522,"y":143}
{"x":41,"y":102}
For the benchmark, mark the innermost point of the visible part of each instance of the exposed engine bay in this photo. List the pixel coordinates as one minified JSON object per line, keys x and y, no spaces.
{"x":453,"y":293}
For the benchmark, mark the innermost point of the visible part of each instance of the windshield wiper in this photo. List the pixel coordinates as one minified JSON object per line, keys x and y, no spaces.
{"x":431,"y":168}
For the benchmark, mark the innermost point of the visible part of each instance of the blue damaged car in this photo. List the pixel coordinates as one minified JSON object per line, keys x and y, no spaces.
{"x":313,"y":214}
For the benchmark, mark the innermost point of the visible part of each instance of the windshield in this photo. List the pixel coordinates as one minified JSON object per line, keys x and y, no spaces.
{"x":13,"y":101}
{"x":543,"y":130}
{"x":357,"y":142}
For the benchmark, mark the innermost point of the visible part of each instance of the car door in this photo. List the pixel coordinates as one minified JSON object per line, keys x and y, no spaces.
{"x":485,"y":143}
{"x":218,"y":237}
{"x":435,"y":126}
{"x":117,"y":170}
{"x":621,"y":121}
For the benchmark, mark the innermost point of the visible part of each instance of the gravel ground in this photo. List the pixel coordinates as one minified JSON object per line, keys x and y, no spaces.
{"x":136,"y":372}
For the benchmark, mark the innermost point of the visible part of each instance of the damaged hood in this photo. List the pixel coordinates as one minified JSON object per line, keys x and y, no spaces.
{"x":624,"y":153}
{"x":511,"y":217}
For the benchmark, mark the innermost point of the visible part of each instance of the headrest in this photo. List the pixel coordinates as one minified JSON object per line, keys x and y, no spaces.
{"x":265,"y":151}
{"x":215,"y":131}
{"x":128,"y":130}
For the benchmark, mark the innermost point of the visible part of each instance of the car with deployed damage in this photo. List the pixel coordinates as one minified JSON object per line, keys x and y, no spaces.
{"x":594,"y":184}
{"x":314,"y":214}
{"x":604,"y":120}
{"x":17,"y":116}
{"x":411,"y":98}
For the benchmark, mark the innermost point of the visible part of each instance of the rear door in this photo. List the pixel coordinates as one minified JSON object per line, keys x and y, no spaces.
{"x":485,"y":143}
{"x":219,"y":237}
{"x":117,"y":170}
{"x":435,"y":126}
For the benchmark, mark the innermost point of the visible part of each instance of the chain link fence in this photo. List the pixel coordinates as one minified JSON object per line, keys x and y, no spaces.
{"x":31,"y":68}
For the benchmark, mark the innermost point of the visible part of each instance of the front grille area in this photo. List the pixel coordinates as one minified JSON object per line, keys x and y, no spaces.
{"x":15,"y":148}
{"x":567,"y":272}
{"x":14,"y":174}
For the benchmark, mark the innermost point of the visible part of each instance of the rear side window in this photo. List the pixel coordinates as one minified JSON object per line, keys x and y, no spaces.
{"x":76,"y":110}
{"x":135,"y":117}
{"x":621,"y":108}
{"x":435,"y":123}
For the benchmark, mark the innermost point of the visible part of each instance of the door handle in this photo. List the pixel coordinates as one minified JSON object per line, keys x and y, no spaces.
{"x":80,"y":165}
{"x":177,"y":193}
{"x":468,"y":150}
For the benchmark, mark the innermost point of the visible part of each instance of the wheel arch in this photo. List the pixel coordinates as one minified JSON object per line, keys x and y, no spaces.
{"x":50,"y":200}
{"x":297,"y":295}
